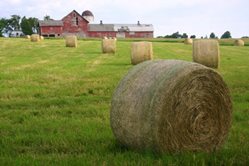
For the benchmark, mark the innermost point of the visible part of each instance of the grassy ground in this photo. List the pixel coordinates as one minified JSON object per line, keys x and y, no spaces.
{"x":55,"y":101}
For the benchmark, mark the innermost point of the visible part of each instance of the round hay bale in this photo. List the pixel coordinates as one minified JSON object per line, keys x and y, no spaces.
{"x":108,"y":45}
{"x":206,"y":52}
{"x":239,"y":42}
{"x":141,"y":51}
{"x":71,"y":41}
{"x":171,"y":106}
{"x":41,"y":38}
{"x":188,"y":41}
{"x":35,"y":38}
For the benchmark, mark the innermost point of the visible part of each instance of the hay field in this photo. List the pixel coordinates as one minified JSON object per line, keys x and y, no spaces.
{"x":55,"y":103}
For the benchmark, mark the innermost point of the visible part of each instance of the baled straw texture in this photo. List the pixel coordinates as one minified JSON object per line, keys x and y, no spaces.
{"x":188,"y":41}
{"x":206,"y":52}
{"x":109,"y":45}
{"x":71,"y":41}
{"x":35,"y":37}
{"x":171,"y":106}
{"x":141,"y":51}
{"x":239,"y":42}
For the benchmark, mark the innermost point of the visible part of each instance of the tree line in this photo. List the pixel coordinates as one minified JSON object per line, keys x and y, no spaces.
{"x":15,"y":23}
{"x":28,"y":25}
{"x":212,"y":35}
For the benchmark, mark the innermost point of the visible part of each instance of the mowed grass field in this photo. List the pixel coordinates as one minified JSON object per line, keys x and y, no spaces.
{"x":55,"y":104}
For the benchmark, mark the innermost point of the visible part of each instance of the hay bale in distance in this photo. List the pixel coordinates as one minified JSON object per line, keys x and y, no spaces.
{"x":206,"y":52}
{"x":41,"y":38}
{"x":27,"y":36}
{"x":171,"y":106}
{"x":188,"y":41}
{"x":141,"y":51}
{"x":71,"y":41}
{"x":35,"y":37}
{"x":239,"y":42}
{"x":108,"y":45}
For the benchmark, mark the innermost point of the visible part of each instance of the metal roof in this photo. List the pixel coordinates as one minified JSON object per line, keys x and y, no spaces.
{"x":133,"y":27}
{"x":121,"y":27}
{"x":50,"y":23}
{"x":101,"y":27}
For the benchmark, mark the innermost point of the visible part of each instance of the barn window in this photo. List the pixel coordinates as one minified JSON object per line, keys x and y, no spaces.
{"x":77,"y":21}
{"x":74,"y":14}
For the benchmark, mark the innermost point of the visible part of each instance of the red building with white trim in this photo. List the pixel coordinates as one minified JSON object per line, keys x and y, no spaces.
{"x":80,"y":25}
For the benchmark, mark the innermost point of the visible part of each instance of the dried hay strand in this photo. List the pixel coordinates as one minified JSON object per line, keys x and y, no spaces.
{"x":141,"y":51}
{"x":108,"y":45}
{"x":188,"y":41}
{"x":35,"y":38}
{"x":239,"y":42}
{"x":71,"y":41}
{"x":206,"y":52}
{"x":171,"y":106}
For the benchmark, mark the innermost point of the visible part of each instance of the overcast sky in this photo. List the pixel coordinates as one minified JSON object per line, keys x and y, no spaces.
{"x":199,"y":17}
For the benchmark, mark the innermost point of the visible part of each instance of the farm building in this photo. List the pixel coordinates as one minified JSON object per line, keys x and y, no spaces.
{"x":81,"y":26}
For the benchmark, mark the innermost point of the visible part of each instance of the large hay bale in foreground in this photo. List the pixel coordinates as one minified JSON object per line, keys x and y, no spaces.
{"x":171,"y":106}
{"x":109,"y":45}
{"x":206,"y":52}
{"x":188,"y":41}
{"x":35,"y":37}
{"x":239,"y":42}
{"x":71,"y":41}
{"x":141,"y":51}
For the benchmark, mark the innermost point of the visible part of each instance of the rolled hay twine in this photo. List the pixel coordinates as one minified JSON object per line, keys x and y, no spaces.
{"x":188,"y":41}
{"x":108,"y":45}
{"x":141,"y":51}
{"x":71,"y":41}
{"x":206,"y":52}
{"x":171,"y":106}
{"x":35,"y":38}
{"x":239,"y":42}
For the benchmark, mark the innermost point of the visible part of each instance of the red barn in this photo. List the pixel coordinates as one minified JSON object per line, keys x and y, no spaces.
{"x":80,"y":25}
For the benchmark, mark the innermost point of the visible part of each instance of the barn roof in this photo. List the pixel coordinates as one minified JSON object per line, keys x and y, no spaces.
{"x":134,"y":27}
{"x":101,"y":27}
{"x":121,"y":27}
{"x":50,"y":23}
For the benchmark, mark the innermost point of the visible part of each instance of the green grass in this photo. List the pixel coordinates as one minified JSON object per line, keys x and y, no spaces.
{"x":55,"y":103}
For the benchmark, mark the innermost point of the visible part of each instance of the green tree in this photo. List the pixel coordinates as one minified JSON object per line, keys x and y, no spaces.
{"x":212,"y":36}
{"x":26,"y":26}
{"x":226,"y":35}
{"x":29,"y":25}
{"x":184,"y":35}
{"x":176,"y":35}
{"x":47,"y":17}
{"x":3,"y":25}
{"x":34,"y":23}
{"x":14,"y":22}
{"x":192,"y":36}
